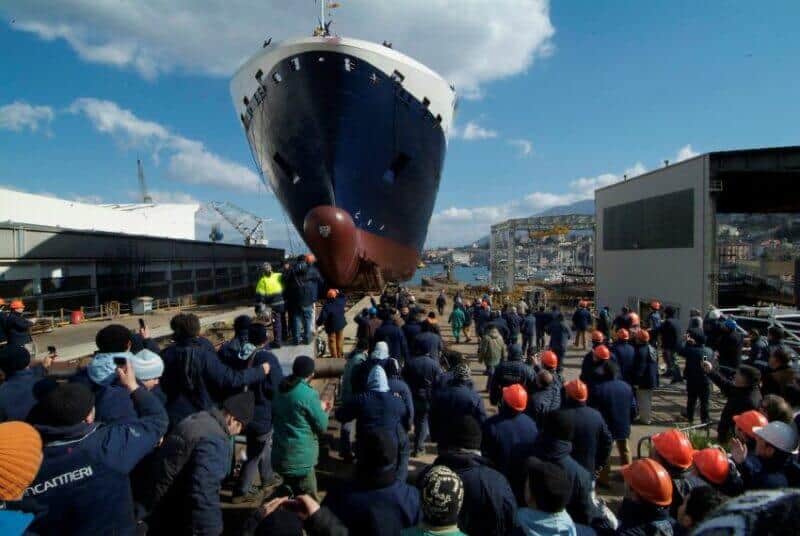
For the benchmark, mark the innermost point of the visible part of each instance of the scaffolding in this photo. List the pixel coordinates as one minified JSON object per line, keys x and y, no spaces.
{"x":505,"y":238}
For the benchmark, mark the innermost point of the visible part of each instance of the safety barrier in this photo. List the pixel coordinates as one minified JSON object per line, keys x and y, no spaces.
{"x":767,"y":317}
{"x":649,"y":438}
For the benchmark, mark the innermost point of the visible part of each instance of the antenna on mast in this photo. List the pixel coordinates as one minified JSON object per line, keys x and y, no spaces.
{"x":142,"y":185}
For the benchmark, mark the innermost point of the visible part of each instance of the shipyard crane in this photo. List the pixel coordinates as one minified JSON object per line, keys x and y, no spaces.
{"x":142,"y":185}
{"x":250,"y":226}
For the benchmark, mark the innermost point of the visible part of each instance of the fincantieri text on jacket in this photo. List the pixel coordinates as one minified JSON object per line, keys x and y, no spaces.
{"x":60,"y":480}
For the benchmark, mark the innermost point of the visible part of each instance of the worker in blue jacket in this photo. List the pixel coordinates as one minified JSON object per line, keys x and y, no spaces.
{"x":591,"y":442}
{"x":17,"y":392}
{"x":412,"y":327}
{"x":698,"y":385}
{"x":192,"y":371}
{"x":18,"y":328}
{"x":393,"y":336}
{"x":332,"y":318}
{"x":86,"y":463}
{"x":230,"y":350}
{"x":458,"y":397}
{"x":624,"y":355}
{"x":508,"y":372}
{"x":258,"y":432}
{"x":543,"y":319}
{"x":582,"y":321}
{"x":379,"y":409}
{"x":421,"y":373}
{"x":559,"y":337}
{"x":514,"y":322}
{"x":429,"y":341}
{"x":482,"y":315}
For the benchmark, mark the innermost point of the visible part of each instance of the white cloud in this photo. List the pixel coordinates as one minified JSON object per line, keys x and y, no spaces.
{"x":19,"y":116}
{"x":684,"y":153}
{"x":189,"y":160}
{"x":470,"y":42}
{"x":472,"y":131}
{"x":525,"y":147}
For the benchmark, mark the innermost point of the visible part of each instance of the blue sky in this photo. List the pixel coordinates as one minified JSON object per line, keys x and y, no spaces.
{"x":560,"y":97}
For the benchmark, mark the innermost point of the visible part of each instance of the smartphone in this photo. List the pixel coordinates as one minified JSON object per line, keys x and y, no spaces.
{"x":120,"y":361}
{"x":141,"y":323}
{"x":51,"y":350}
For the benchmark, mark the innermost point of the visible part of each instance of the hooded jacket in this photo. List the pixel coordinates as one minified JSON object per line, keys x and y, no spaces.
{"x":492,"y":348}
{"x":264,"y":391}
{"x":508,"y":439}
{"x":489,"y":505}
{"x":376,"y":409}
{"x":624,"y":355}
{"x":591,"y":442}
{"x":297,"y":421}
{"x":421,"y":373}
{"x":559,"y":335}
{"x":451,"y":401}
{"x":112,"y":402}
{"x":394,"y":338}
{"x":543,"y":401}
{"x":17,"y":393}
{"x":537,"y":523}
{"x":86,"y":465}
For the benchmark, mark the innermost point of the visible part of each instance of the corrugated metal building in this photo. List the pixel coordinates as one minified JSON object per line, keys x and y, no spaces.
{"x":656,"y":233}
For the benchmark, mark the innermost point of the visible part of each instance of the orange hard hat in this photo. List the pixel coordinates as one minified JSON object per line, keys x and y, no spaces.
{"x":597,"y":336}
{"x":516,"y":397}
{"x":649,"y":480}
{"x":602,"y":353}
{"x":310,"y":258}
{"x":332,"y":293}
{"x":713,"y":465}
{"x":633,"y":318}
{"x":623,"y":334}
{"x":748,"y":420}
{"x":655,"y":305}
{"x":674,"y":447}
{"x":577,"y":390}
{"x":549,"y":359}
{"x":643,"y":336}
{"x":17,"y":304}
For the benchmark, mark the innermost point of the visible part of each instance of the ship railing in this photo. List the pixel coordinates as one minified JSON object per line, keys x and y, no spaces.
{"x":766,"y":317}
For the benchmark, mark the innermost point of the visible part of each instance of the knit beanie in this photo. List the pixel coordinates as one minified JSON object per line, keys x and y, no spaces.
{"x":303,"y":366}
{"x":20,"y":458}
{"x":66,"y":405}
{"x":14,"y":358}
{"x":147,"y":365}
{"x":376,"y":450}
{"x":463,"y":432}
{"x":241,"y":406}
{"x":462,"y":372}
{"x":442,"y":495}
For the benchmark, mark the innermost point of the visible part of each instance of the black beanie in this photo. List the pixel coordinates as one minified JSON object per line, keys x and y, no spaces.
{"x":376,"y":450}
{"x":257,"y":333}
{"x":14,"y":358}
{"x":303,"y":366}
{"x":559,"y":425}
{"x":548,"y":485}
{"x":66,"y":405}
{"x":442,"y":495}
{"x":241,"y":406}
{"x":463,"y":432}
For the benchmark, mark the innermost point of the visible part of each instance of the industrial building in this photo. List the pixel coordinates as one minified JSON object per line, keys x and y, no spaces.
{"x":656,"y":234}
{"x":58,"y":254}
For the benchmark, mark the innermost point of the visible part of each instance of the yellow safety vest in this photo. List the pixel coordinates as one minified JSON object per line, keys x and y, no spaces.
{"x":269,"y":285}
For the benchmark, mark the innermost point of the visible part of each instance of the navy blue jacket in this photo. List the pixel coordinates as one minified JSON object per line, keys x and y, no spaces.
{"x":693,"y":372}
{"x":559,"y":336}
{"x":514,"y":322}
{"x":582,"y":319}
{"x":451,"y":402}
{"x":358,"y":380}
{"x":543,"y":319}
{"x":508,"y":373}
{"x":624,"y":355}
{"x":615,"y":401}
{"x":112,"y":402}
{"x":543,"y":401}
{"x":764,"y":474}
{"x":332,"y":314}
{"x":18,"y":329}
{"x":87,"y":465}
{"x":354,"y":502}
{"x":16,"y":394}
{"x":429,"y":343}
{"x":489,"y":505}
{"x":589,"y":370}
{"x":645,"y":365}
{"x":400,"y":388}
{"x":670,"y":335}
{"x":188,"y":391}
{"x":263,"y":390}
{"x":482,"y":317}
{"x":730,"y":349}
{"x":229,"y":351}
{"x":529,"y":325}
{"x":421,"y":373}
{"x":591,"y":441}
{"x":643,"y":519}
{"x":411,"y":329}
{"x":374,"y":410}
{"x":508,"y":440}
{"x":580,"y":506}
{"x":394,"y":339}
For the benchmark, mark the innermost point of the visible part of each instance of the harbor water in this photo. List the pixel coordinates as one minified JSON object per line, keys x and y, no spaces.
{"x":463,"y":274}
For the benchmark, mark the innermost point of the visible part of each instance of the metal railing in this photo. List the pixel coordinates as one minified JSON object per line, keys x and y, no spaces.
{"x":649,"y":439}
{"x":768,"y":317}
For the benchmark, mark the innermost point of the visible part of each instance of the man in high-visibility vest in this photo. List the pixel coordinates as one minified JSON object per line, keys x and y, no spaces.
{"x":269,"y":292}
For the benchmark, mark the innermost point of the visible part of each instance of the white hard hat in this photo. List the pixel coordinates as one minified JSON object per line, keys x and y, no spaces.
{"x":778,"y":434}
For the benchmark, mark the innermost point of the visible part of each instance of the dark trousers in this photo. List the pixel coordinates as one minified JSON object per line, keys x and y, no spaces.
{"x":277,"y":324}
{"x":697,"y":392}
{"x":539,"y":339}
{"x":421,"y":426}
{"x":527,"y":344}
{"x":671,"y":360}
{"x":259,"y":460}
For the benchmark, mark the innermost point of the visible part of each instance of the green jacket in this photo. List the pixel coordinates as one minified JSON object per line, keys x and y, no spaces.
{"x":297,"y":421}
{"x":346,"y":388}
{"x":457,"y":318}
{"x":492,"y":349}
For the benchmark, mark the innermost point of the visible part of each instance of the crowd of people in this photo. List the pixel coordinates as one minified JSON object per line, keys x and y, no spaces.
{"x":150,"y":431}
